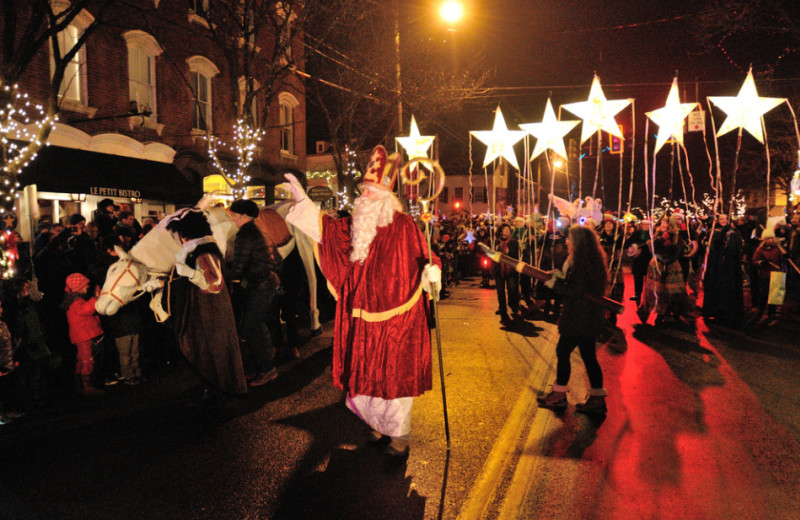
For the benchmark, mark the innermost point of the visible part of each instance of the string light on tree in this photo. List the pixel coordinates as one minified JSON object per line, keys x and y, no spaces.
{"x":245,"y":144}
{"x":21,"y":121}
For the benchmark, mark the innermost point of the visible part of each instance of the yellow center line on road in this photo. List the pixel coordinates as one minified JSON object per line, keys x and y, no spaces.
{"x":505,"y":447}
{"x":526,"y":468}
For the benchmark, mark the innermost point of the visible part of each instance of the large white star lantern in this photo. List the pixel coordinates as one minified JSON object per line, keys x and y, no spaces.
{"x":549,"y":133}
{"x":499,"y":140}
{"x":414,"y":144}
{"x":597,"y":112}
{"x":669,"y":118}
{"x":746,"y":109}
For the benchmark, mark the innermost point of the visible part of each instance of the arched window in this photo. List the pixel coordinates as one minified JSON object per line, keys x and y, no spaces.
{"x":286,"y":105}
{"x":201,"y":71}
{"x":142,"y":52}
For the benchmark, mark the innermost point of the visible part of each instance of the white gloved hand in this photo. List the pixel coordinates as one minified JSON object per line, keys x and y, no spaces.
{"x":432,"y":279}
{"x":556,"y":274}
{"x":295,"y":187}
{"x":184,"y":270}
{"x":153,"y":284}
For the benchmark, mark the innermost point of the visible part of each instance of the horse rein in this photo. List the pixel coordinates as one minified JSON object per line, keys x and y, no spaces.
{"x":127,"y":270}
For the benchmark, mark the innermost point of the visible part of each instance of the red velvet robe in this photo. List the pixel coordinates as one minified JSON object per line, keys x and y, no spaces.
{"x":381,"y":345}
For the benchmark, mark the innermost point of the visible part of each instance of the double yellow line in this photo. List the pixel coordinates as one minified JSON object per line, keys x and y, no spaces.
{"x":505,"y":450}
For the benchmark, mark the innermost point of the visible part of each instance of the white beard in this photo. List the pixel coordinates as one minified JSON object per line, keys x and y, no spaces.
{"x":368,"y":216}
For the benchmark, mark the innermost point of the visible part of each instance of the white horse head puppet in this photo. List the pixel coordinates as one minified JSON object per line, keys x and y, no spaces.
{"x":124,"y":283}
{"x":153,"y":257}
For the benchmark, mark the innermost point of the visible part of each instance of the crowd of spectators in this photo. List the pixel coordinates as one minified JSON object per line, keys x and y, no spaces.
{"x":54,"y":346}
{"x":677,"y":263}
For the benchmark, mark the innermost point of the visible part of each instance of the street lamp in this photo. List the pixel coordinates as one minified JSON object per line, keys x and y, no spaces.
{"x":451,"y":12}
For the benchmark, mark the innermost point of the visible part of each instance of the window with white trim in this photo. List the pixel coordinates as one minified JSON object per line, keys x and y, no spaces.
{"x":286,"y":105}
{"x":287,"y":128}
{"x":201,"y":71}
{"x":142,"y":52}
{"x":201,"y":88}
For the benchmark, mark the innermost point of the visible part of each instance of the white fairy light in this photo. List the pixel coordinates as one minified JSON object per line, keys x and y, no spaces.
{"x":244,"y":146}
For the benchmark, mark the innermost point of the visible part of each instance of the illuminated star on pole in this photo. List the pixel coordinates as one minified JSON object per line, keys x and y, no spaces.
{"x":669,"y":118}
{"x":414,"y":144}
{"x":499,"y":140}
{"x":746,"y":109}
{"x":549,"y":133}
{"x":597,"y":112}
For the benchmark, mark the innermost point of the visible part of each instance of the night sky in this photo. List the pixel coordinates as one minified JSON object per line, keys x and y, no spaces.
{"x":541,"y":48}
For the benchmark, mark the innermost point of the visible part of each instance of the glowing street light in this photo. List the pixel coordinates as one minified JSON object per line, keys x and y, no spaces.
{"x":451,"y":11}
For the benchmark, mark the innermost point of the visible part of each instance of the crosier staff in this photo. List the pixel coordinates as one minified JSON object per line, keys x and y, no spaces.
{"x":529,"y":270}
{"x":437,"y":174}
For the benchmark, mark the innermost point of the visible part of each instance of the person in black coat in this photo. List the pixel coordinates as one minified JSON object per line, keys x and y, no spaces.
{"x":254,"y":273}
{"x":584,"y":275}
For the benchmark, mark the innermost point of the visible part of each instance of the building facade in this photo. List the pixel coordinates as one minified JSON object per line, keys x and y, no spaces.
{"x":136,"y":105}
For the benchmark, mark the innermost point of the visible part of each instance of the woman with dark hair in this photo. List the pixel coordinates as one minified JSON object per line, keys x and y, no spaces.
{"x":201,"y":311}
{"x":584,"y":275}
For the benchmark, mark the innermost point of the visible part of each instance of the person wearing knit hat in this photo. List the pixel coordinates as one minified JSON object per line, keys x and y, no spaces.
{"x":767,"y":259}
{"x":254,"y":273}
{"x":77,"y":283}
{"x":245,"y":207}
{"x":85,"y":331}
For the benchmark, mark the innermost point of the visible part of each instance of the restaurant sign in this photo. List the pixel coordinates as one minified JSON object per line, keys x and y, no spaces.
{"x":114,"y":192}
{"x":320,"y":193}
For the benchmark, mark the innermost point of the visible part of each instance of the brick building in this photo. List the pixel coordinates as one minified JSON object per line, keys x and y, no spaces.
{"x":136,"y":104}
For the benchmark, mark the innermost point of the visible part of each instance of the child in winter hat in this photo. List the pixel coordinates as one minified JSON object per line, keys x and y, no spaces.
{"x":84,"y":329}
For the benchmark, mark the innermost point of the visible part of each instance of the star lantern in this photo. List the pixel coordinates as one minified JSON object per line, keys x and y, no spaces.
{"x":549,"y":133}
{"x":499,"y":141}
{"x":746,"y":109}
{"x":597,"y":112}
{"x":414,"y":144}
{"x":669,"y":118}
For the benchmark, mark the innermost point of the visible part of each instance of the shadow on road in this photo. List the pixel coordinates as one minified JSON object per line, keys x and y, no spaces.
{"x":341,"y":477}
{"x":692,"y":363}
{"x":523,"y":328}
{"x":575,"y":433}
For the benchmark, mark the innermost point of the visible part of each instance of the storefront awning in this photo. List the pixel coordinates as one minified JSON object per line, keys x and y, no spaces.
{"x":66,"y":170}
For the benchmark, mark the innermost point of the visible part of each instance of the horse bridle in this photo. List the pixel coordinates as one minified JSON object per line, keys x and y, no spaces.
{"x":127,"y":270}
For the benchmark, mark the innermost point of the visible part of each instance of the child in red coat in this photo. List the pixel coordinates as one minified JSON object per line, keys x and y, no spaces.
{"x":84,"y":329}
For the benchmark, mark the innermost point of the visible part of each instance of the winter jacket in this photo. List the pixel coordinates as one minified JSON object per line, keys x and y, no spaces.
{"x":580,"y":316}
{"x":253,"y":262}
{"x":84,"y":323}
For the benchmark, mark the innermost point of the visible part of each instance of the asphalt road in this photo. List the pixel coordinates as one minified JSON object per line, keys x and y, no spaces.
{"x":703,"y":423}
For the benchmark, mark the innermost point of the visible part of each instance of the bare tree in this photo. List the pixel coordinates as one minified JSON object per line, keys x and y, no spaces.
{"x":354,"y":66}
{"x":27,"y":28}
{"x":259,"y":42}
